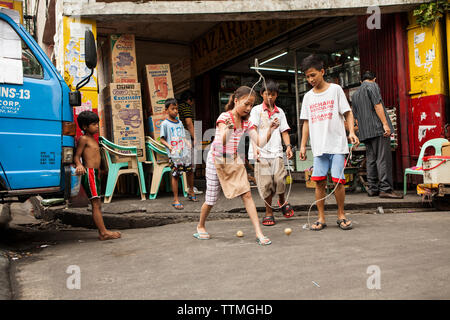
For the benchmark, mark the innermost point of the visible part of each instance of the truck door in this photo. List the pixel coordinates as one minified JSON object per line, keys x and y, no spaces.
{"x":30,"y":120}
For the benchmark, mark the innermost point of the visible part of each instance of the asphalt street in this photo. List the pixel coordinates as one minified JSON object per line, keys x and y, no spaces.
{"x":386,"y":256}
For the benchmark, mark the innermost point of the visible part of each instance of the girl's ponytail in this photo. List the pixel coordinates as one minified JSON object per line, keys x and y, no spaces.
{"x":230,"y":104}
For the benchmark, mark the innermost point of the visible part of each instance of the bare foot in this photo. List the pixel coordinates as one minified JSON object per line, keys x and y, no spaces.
{"x":109,"y":235}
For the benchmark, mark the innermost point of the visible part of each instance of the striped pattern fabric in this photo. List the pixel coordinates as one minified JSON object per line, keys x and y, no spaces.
{"x":212,"y":182}
{"x":185,"y":111}
{"x":91,"y":183}
{"x":232,"y":146}
{"x":363,"y":106}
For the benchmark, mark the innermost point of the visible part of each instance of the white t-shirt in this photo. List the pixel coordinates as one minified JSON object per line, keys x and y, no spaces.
{"x":261,"y":118}
{"x":325,"y":114}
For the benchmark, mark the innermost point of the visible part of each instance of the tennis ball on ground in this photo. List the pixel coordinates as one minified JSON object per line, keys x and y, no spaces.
{"x":239,"y":233}
{"x":288,"y":231}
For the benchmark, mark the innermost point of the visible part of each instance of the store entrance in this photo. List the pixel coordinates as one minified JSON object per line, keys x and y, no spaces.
{"x":334,"y":39}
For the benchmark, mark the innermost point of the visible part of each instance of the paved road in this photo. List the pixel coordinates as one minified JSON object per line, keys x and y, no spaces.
{"x":410,"y":249}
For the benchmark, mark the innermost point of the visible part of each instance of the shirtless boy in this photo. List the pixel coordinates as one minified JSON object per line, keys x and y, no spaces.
{"x":87,"y":160}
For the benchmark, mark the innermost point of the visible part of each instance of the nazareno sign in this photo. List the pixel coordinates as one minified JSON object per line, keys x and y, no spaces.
{"x":232,"y":38}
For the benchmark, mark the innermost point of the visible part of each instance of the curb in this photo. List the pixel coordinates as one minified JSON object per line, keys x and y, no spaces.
{"x":142,"y":219}
{"x":349,"y":206}
{"x":5,"y":284}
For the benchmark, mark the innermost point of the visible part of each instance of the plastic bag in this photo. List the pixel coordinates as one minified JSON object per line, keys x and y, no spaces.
{"x":75,"y":183}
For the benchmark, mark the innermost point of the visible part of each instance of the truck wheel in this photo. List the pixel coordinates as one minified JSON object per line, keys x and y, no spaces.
{"x":442,"y":203}
{"x":5,"y":215}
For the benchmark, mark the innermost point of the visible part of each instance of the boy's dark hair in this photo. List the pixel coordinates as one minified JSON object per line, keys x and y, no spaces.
{"x":368,"y":75}
{"x":169,"y":102}
{"x":312,"y":61}
{"x":187,"y":95}
{"x":86,"y":118}
{"x":271,"y":86}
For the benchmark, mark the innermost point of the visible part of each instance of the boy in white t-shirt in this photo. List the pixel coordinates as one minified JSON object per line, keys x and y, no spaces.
{"x":323,"y":110}
{"x":270,"y":173}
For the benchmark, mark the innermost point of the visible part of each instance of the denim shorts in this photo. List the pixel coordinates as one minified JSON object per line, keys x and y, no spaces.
{"x":327,"y":162}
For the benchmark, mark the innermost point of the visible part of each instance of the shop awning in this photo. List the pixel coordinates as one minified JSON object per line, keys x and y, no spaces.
{"x":220,"y":10}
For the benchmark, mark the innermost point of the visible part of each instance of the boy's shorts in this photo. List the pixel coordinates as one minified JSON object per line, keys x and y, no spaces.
{"x":324,"y":163}
{"x":91,"y":183}
{"x":270,"y":175}
{"x":178,"y":168}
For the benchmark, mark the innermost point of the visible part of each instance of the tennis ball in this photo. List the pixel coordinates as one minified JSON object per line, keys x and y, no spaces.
{"x":239,"y":233}
{"x":288,"y":231}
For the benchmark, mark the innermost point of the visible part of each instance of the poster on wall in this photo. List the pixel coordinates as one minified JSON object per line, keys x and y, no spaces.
{"x":158,"y":87}
{"x":75,"y":68}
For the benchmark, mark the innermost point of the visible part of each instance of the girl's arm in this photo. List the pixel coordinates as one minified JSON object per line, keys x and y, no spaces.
{"x":225,"y":130}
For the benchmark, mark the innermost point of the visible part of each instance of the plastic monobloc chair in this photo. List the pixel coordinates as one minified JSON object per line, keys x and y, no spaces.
{"x":157,"y":155}
{"x":437,"y":145}
{"x":121,"y":160}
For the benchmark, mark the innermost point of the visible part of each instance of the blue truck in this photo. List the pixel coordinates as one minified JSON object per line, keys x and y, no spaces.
{"x":37,"y":130}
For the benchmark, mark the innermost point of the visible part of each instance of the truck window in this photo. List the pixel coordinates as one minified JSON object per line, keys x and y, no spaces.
{"x":31,"y":66}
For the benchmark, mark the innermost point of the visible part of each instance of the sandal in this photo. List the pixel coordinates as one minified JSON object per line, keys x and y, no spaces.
{"x":287,"y":210}
{"x":178,"y":206}
{"x":320,"y":225}
{"x":268,"y":221}
{"x":193,"y":198}
{"x":344,"y":227}
{"x":264,"y":241}
{"x":202,"y":235}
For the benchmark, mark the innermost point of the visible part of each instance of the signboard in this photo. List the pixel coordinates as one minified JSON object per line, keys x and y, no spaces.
{"x":14,"y":5}
{"x":427,"y":60}
{"x":232,"y":38}
{"x":158,"y":87}
{"x":75,"y":68}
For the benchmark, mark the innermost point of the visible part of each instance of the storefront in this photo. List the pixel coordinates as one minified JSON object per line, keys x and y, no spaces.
{"x":347,"y":47}
{"x":334,"y":39}
{"x":213,"y":58}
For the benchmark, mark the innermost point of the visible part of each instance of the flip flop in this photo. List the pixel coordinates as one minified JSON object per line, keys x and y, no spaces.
{"x":193,"y":198}
{"x":202,"y":235}
{"x":268,"y":221}
{"x":287,"y":210}
{"x":344,"y":227}
{"x":264,"y":241}
{"x":178,"y":206}
{"x":318,"y":223}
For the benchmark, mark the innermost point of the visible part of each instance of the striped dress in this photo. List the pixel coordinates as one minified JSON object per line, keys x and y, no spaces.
{"x":218,"y":149}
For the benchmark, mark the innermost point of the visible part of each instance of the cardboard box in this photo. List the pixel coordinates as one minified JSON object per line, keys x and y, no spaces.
{"x":121,"y":63}
{"x":158,"y":87}
{"x":123,"y":115}
{"x":157,"y":119}
{"x":446,"y":149}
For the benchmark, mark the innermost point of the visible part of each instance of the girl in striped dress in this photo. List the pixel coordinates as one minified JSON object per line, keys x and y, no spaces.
{"x":230,"y":127}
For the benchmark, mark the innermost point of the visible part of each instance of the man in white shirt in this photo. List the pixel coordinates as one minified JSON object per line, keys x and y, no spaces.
{"x":270,"y":173}
{"x":323,"y":110}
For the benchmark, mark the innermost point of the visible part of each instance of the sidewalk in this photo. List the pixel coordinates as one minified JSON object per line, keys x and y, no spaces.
{"x":127,"y":213}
